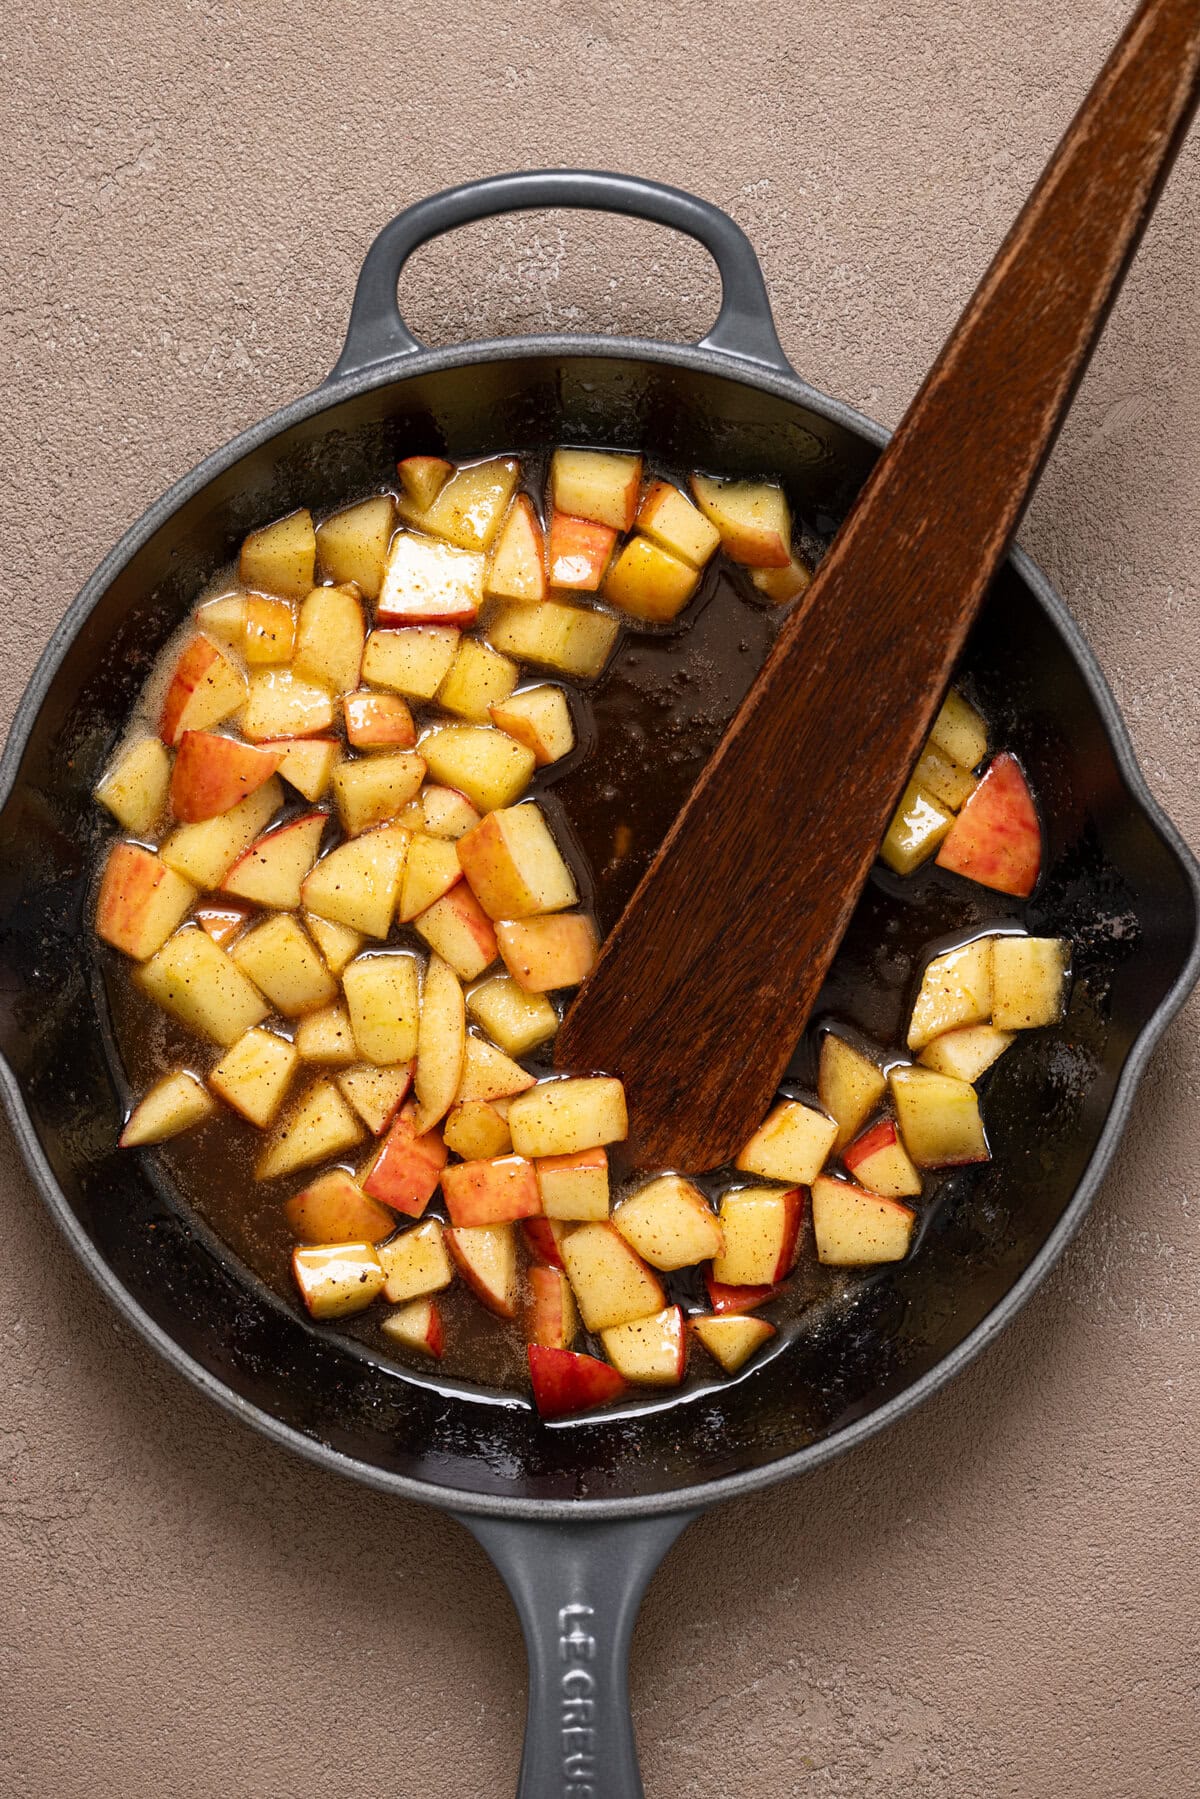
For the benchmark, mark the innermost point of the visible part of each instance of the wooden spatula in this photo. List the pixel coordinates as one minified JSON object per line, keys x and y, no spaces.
{"x":704,"y":986}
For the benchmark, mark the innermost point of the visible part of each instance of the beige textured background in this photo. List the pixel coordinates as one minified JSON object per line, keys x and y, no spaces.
{"x":1000,"y":1599}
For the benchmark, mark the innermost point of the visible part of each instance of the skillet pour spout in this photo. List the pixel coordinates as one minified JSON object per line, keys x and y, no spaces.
{"x":576,"y":1514}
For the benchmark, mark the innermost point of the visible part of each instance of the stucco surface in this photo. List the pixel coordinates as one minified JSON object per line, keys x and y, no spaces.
{"x":998,"y":1600}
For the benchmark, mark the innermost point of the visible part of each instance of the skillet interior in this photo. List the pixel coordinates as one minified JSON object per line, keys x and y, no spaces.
{"x":1114,"y":882}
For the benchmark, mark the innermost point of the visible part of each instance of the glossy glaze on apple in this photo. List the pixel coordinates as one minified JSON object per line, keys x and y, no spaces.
{"x":644,"y":728}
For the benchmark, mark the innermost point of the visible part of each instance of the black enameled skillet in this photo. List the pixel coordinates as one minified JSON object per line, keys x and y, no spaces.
{"x":576,"y":1516}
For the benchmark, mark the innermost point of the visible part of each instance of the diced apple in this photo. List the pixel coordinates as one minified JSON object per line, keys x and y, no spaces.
{"x":611,"y":1282}
{"x":670,"y":1223}
{"x":967,"y":1053}
{"x":432,"y":869}
{"x":573,"y":640}
{"x":174,"y":1104}
{"x":222,"y":923}
{"x":956,"y":988}
{"x":945,"y":779}
{"x":649,"y":1352}
{"x":330,"y":638}
{"x":918,"y":825}
{"x":476,"y":1131}
{"x":281,"y":959}
{"x":849,"y":1085}
{"x":337,"y":1279}
{"x":441,"y":1042}
{"x":254,"y":1074}
{"x":728,"y":1302}
{"x":327,"y":1037}
{"x":212,"y":773}
{"x":269,"y":634}
{"x":281,"y":558}
{"x":318,"y":1128}
{"x":551,"y":1318}
{"x":578,"y":552}
{"x":373,"y":789}
{"x":544,"y":1238}
{"x":540,"y":718}
{"x":479,"y":677}
{"x":458,"y":930}
{"x":490,"y":767}
{"x":336,"y":942}
{"x":669,"y":518}
{"x":358,"y":883}
{"x":378,"y":721}
{"x":203,"y":987}
{"x":135,"y":786}
{"x":489,"y":1074}
{"x":517,"y":570}
{"x":496,"y":1191}
{"x":352,"y":544}
{"x":854,"y":1228}
{"x":414,"y":661}
{"x":790,"y":1145}
{"x":514,"y":866}
{"x":418,"y":1326}
{"x":752,"y":518}
{"x":225,"y":619}
{"x":564,"y":1382}
{"x":558,"y":1117}
{"x":731,"y":1341}
{"x":376,"y":1093}
{"x":204,"y":689}
{"x":272,"y":870}
{"x":542,"y":954}
{"x":447,"y":813}
{"x":204,"y":853}
{"x":1029,"y":981}
{"x":938,"y":1117}
{"x":428,"y":583}
{"x":416,"y":1262}
{"x":141,"y":901}
{"x":574,"y":1187}
{"x":383,"y":996}
{"x":600,"y":485}
{"x":280,"y":704}
{"x":996,"y":838}
{"x":307,"y":762}
{"x":648,"y":582}
{"x":469,"y":509}
{"x":423,"y":478}
{"x":407,"y":1167}
{"x":761,"y":1229}
{"x":516,"y":1020}
{"x":486,"y":1257}
{"x":782,"y":585}
{"x":959,"y":732}
{"x":880,"y":1162}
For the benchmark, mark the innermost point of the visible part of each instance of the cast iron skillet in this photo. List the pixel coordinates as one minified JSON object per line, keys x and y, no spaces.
{"x":578,"y":1515}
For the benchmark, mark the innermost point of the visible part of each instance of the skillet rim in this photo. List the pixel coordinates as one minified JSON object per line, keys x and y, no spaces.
{"x":790,"y":387}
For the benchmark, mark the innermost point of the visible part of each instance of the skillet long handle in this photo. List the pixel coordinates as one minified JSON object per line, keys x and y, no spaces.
{"x":577,"y":1589}
{"x":728,"y":938}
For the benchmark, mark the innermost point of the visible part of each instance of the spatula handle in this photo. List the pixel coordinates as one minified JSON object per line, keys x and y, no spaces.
{"x":731,"y":932}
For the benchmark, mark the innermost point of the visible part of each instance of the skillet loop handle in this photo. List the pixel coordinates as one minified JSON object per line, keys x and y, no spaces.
{"x":743,"y":328}
{"x":577,"y":1589}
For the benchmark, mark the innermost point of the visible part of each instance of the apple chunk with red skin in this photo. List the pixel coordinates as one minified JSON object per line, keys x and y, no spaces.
{"x":599,"y":485}
{"x":996,"y":838}
{"x":578,"y":552}
{"x":856,"y":1229}
{"x":418,"y":1325}
{"x":514,"y":867}
{"x":728,"y":1301}
{"x":336,"y":1279}
{"x":544,"y":1239}
{"x":752,"y":517}
{"x":761,"y":1228}
{"x":486,"y":1257}
{"x":407,"y":1168}
{"x":334,"y":1209}
{"x":141,"y":901}
{"x":550,"y":1317}
{"x":212,"y":773}
{"x":496,"y":1191}
{"x":204,"y":689}
{"x":565,"y":1382}
{"x":879,"y":1161}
